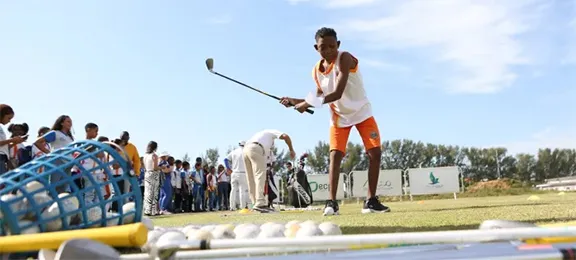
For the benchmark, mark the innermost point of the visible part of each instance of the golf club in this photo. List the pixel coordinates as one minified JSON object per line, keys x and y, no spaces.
{"x":210,"y":66}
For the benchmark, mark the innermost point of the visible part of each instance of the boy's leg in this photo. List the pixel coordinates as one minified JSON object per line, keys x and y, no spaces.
{"x":370,"y":134}
{"x":338,"y":142}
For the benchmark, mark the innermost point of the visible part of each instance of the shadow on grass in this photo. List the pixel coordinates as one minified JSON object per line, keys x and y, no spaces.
{"x":397,"y":229}
{"x":493,"y":206}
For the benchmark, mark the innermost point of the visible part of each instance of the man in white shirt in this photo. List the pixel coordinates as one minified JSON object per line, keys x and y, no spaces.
{"x":255,"y":152}
{"x":234,"y":163}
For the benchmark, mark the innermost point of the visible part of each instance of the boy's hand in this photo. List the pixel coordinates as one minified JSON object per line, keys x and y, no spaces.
{"x":301,"y":107}
{"x":287,"y":102}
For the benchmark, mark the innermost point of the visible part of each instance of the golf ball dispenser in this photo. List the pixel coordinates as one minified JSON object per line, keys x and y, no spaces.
{"x":32,"y":201}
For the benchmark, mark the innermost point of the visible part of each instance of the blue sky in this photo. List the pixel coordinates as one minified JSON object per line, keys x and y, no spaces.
{"x":475,"y":73}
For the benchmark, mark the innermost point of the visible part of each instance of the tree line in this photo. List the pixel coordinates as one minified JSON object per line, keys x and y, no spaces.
{"x":476,"y":163}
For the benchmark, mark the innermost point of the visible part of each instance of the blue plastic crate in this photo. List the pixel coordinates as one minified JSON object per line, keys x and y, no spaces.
{"x":22,"y":204}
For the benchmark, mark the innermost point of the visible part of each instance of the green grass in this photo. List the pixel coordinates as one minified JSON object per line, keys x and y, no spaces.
{"x":407,"y":216}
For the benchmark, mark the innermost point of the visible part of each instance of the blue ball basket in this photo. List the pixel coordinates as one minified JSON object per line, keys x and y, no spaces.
{"x":59,"y":163}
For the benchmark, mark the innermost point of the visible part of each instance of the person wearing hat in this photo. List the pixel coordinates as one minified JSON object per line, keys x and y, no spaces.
{"x":234,"y":164}
{"x":165,"y":183}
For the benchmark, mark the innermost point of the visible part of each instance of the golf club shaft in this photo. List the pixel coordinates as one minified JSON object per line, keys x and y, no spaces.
{"x":310,"y":111}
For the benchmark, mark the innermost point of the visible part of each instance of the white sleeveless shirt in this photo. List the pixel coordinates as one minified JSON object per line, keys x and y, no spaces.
{"x":149,"y":162}
{"x":353,"y":107}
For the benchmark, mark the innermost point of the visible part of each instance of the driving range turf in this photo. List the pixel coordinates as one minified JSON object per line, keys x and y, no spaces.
{"x":408,"y":216}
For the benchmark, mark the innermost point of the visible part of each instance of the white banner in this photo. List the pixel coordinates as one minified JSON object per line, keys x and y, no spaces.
{"x":319,"y":184}
{"x":389,"y":183}
{"x":434,"y":180}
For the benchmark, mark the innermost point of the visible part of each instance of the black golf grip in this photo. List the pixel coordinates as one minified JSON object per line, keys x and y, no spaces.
{"x":310,"y":111}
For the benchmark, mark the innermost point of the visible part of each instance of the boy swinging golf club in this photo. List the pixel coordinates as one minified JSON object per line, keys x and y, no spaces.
{"x":339,"y":84}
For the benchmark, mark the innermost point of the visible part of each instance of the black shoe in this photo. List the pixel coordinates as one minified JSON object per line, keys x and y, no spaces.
{"x":331,"y":208}
{"x":263,"y":209}
{"x":373,"y":205}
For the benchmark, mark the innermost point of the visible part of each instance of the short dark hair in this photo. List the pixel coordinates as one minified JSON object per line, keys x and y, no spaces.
{"x":103,"y":139}
{"x":43,"y":130}
{"x":178,"y":162}
{"x":152,"y":147}
{"x":185,"y":164}
{"x":198,"y":159}
{"x":5,"y":110}
{"x":324,"y":32}
{"x":90,"y":126}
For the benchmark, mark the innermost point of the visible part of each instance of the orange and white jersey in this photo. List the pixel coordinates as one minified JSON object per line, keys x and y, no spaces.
{"x":353,"y":107}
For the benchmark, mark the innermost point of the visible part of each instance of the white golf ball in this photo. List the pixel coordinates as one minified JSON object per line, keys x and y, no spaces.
{"x":112,"y":219}
{"x":330,"y":229}
{"x":291,"y":230}
{"x":67,"y":198}
{"x":54,"y":211}
{"x":247,"y":231}
{"x":31,"y":187}
{"x":29,"y":230}
{"x":309,"y":231}
{"x":199,"y":235}
{"x":328,"y":211}
{"x":170,"y":238}
{"x":267,"y":224}
{"x":188,"y":228}
{"x":41,"y":200}
{"x":17,"y":204}
{"x":223,"y":233}
{"x":208,"y":228}
{"x":128,"y":211}
{"x":308,"y":223}
{"x":148,"y":223}
{"x":273,"y":230}
{"x":290,"y":223}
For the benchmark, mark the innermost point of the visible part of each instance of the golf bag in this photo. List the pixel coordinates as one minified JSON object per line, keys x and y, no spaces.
{"x":271,"y":188}
{"x":299,"y":192}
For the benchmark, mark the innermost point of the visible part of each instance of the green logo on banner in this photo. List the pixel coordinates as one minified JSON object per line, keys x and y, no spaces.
{"x":314,"y":186}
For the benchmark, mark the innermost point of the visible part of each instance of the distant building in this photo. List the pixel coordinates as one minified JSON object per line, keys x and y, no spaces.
{"x":559,"y":184}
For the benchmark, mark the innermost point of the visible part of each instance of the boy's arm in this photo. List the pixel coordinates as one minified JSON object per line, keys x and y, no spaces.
{"x":347,"y":62}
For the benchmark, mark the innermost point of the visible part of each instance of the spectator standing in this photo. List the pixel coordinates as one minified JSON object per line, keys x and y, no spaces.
{"x":59,"y":136}
{"x":36,"y":152}
{"x":212,"y":186}
{"x":6,"y":115}
{"x":166,"y":164}
{"x":177,"y":186}
{"x":223,"y":188}
{"x":151,"y":180}
{"x":197,"y":180}
{"x":186,"y":187}
{"x":133,"y":157}
{"x":141,"y":176}
{"x":235,"y":165}
{"x":16,"y":130}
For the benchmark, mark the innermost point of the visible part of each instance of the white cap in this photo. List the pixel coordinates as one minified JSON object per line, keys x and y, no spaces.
{"x":242,"y":143}
{"x":164,"y":154}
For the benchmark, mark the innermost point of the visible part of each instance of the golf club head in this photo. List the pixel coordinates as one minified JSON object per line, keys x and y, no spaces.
{"x":210,"y":64}
{"x":85,"y":249}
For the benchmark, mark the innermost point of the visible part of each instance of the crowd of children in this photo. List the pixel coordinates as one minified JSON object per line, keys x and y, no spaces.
{"x":167,"y":185}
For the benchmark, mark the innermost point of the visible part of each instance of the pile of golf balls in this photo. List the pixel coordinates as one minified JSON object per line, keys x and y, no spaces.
{"x":159,"y":236}
{"x":25,"y":209}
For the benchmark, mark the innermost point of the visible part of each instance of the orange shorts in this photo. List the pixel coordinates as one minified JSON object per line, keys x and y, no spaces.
{"x":368,"y":130}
